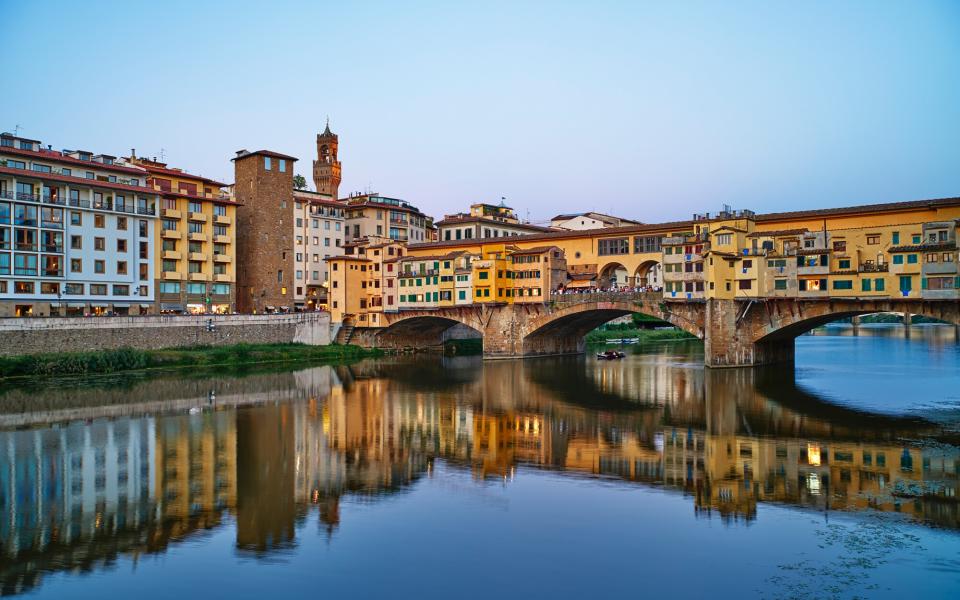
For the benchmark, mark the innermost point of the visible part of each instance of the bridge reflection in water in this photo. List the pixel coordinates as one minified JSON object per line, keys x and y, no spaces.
{"x":76,"y":494}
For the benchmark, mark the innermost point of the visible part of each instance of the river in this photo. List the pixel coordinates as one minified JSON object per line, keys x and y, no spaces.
{"x":456,"y":477}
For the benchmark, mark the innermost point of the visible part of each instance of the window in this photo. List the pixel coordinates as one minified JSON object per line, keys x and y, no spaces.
{"x":169,"y":266}
{"x":99,"y":266}
{"x":220,"y":289}
{"x":23,"y":287}
{"x":906,"y":283}
{"x":843,"y":265}
{"x":917,"y":239}
{"x":724,"y":239}
{"x":195,"y":227}
{"x":76,"y":265}
{"x":98,"y":289}
{"x":283,"y":165}
{"x":169,"y":287}
{"x":73,"y":289}
{"x":873,"y":239}
{"x":99,"y":221}
{"x":879,"y":284}
{"x":898,"y":259}
{"x":745,"y":284}
{"x":483,"y":275}
{"x":99,"y":243}
{"x":121,"y":245}
{"x":219,"y":210}
{"x":121,"y":223}
{"x":195,"y":207}
{"x":911,"y":259}
{"x":780,"y":284}
{"x":121,"y":290}
{"x":121,"y":267}
{"x":196,"y":289}
{"x":168,"y":225}
{"x":864,"y":285}
{"x":840,"y":246}
{"x":932,"y":258}
{"x":613,"y":246}
{"x":76,"y":242}
{"x":266,"y":163}
{"x":842,"y":284}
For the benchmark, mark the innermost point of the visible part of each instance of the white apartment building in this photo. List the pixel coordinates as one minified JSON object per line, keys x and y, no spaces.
{"x":320,"y":230}
{"x":76,"y":232}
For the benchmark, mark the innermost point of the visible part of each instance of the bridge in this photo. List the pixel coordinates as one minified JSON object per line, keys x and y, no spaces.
{"x":735,"y":333}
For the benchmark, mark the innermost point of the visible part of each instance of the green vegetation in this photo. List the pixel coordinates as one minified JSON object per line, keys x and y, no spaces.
{"x":128,"y":359}
{"x":604,"y":333}
{"x":889,"y":318}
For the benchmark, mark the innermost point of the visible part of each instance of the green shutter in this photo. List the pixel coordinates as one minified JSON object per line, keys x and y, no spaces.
{"x":923,"y":283}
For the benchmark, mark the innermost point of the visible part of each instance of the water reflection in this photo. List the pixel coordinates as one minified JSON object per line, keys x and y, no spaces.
{"x":271,"y":451}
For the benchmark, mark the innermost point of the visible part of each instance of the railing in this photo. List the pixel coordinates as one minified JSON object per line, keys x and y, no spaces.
{"x":875,"y":268}
{"x":570,"y":297}
{"x":146,"y":210}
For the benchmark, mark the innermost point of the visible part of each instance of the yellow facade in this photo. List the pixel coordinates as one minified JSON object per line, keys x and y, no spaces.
{"x":195,"y":254}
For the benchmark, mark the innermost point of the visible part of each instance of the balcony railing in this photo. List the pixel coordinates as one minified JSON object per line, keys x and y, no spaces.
{"x":874,"y":268}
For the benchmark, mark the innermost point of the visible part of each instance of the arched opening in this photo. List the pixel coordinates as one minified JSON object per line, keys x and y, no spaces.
{"x":567,"y":333}
{"x":425,"y":332}
{"x":649,"y":275}
{"x":614,"y":275}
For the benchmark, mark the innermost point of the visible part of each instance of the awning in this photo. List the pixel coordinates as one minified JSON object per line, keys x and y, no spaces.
{"x":99,"y":305}
{"x":76,"y":305}
{"x":171,"y":306}
{"x":121,"y":305}
{"x":145,"y":305}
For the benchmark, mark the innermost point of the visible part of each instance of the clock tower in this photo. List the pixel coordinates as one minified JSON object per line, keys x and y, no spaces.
{"x":326,"y":169}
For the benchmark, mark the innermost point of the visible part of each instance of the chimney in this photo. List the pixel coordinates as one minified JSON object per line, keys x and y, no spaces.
{"x":133,"y":152}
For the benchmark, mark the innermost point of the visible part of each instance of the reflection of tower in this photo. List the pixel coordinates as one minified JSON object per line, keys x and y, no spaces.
{"x":326,"y":169}
{"x":265,"y":478}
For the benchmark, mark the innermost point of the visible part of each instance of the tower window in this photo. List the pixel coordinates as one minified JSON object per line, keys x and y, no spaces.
{"x":283,"y":165}
{"x":266,"y":163}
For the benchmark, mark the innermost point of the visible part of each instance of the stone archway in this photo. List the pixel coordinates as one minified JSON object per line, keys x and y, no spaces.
{"x":614,"y":274}
{"x":649,"y":274}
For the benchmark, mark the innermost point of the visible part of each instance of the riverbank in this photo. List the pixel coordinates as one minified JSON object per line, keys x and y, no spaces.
{"x":129,"y":359}
{"x":641,"y":335}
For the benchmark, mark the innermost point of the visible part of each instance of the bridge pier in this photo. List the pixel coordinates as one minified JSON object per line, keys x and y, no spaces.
{"x":730,"y":329}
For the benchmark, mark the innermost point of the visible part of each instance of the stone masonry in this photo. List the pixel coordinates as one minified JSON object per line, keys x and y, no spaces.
{"x":736,"y":333}
{"x":40,"y":335}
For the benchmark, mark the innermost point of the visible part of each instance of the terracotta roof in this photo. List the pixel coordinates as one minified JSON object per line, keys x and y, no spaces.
{"x":178,"y":173}
{"x":347,"y":257}
{"x":316,"y":198}
{"x":778,"y":232}
{"x":729,"y":228}
{"x":55,"y":156}
{"x":537,"y":250}
{"x":924,"y":247}
{"x":455,"y":220}
{"x":79,"y":181}
{"x":271,"y":153}
{"x":885,"y":207}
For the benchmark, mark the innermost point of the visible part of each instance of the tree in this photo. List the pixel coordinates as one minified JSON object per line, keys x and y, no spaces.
{"x":299,"y":182}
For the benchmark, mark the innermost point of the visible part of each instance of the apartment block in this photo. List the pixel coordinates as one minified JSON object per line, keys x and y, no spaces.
{"x":77,"y":232}
{"x":318,"y":235}
{"x":373,"y":215}
{"x":484,"y":221}
{"x":195,"y":259}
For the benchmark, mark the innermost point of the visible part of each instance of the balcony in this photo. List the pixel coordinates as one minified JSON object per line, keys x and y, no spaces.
{"x":171,"y":255}
{"x":197,"y":256}
{"x":199,"y":277}
{"x":146,"y":210}
{"x":197,"y":237}
{"x":171,"y":213}
{"x":223,"y":277}
{"x":197,"y":217}
{"x":170,"y":234}
{"x":222,"y":220}
{"x":871,"y":267}
{"x":222,"y":258}
{"x":170,"y":275}
{"x":221,"y":239}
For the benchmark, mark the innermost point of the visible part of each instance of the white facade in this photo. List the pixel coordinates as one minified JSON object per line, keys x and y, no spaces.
{"x":319,"y":234}
{"x":76,"y":233}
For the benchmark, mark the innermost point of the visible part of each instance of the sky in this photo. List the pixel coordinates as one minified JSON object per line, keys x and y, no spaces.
{"x":652,"y":111}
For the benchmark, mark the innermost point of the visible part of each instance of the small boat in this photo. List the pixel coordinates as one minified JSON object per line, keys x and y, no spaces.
{"x":610,"y":355}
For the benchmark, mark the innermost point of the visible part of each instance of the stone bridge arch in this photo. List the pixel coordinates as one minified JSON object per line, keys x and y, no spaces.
{"x":562,"y":329}
{"x":424,"y":329}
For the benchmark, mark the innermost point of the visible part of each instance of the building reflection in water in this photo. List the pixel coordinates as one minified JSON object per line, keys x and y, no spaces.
{"x":77,"y":495}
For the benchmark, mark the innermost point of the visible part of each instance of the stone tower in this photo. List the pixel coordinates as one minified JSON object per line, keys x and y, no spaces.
{"x":326,"y":169}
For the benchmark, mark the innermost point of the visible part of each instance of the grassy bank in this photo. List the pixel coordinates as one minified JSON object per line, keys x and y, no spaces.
{"x":128,"y":359}
{"x":643,"y":335}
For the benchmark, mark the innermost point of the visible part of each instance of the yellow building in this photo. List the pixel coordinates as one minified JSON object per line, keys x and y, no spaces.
{"x":195,"y":259}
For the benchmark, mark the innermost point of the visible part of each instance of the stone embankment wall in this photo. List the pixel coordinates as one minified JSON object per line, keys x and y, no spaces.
{"x":51,"y":334}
